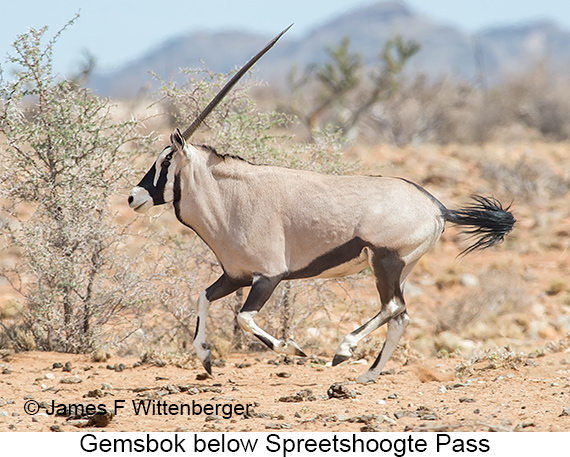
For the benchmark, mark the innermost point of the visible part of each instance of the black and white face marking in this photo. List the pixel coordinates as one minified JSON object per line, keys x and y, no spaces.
{"x":157,"y":186}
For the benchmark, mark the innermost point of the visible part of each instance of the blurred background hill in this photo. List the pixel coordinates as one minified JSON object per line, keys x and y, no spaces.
{"x":489,"y":55}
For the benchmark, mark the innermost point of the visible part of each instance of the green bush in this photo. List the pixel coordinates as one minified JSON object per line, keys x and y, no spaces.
{"x":63,"y":159}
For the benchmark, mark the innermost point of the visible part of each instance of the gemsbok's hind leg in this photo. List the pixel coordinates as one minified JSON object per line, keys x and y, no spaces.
{"x":395,"y":331}
{"x":388,"y":270}
{"x":261,"y":289}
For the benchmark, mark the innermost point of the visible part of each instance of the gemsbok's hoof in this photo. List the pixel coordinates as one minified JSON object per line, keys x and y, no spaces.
{"x":207,"y":363}
{"x":366,"y":378}
{"x":293,"y":348}
{"x":338,"y":359}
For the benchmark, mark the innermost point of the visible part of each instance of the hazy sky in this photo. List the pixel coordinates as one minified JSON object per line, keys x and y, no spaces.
{"x":116,"y":31}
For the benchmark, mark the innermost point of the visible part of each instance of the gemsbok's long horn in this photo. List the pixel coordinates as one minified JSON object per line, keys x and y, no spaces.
{"x":218,"y":98}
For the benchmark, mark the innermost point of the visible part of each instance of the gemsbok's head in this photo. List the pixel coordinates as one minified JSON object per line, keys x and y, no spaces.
{"x":157,"y":186}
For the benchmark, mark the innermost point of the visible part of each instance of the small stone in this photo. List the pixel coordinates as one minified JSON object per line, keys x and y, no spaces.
{"x":338,"y":390}
{"x":57,"y":365}
{"x":469,"y":280}
{"x":72,"y":380}
{"x":400,"y":414}
{"x":370,"y":428}
{"x":96,"y":393}
{"x":565,"y":411}
{"x":49,"y":376}
{"x":383,"y":418}
{"x":101,"y":419}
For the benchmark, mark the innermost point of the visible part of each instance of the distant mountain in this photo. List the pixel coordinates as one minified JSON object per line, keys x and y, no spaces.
{"x":445,"y":49}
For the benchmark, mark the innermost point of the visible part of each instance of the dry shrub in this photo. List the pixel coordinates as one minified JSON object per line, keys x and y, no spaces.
{"x":529,"y":179}
{"x":62,"y":159}
{"x":533,"y":103}
{"x":478,"y":310}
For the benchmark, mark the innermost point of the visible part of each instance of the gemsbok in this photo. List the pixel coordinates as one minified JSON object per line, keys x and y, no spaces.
{"x":266,"y":224}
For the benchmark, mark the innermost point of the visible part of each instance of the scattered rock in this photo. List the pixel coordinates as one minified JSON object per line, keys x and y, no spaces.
{"x":96,"y":393}
{"x":278,"y":426}
{"x":56,"y":428}
{"x":100,"y":356}
{"x":383,"y":418}
{"x":400,"y":414}
{"x":283,"y":374}
{"x":72,"y":380}
{"x":468,"y":280}
{"x":339,"y":390}
{"x":301,"y":395}
{"x":370,"y":428}
{"x":565,"y":411}
{"x":364,"y":419}
{"x":57,"y":365}
{"x":137,"y":390}
{"x":421,"y":412}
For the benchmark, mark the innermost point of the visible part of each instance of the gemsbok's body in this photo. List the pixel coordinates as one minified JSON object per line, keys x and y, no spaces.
{"x":266,"y":224}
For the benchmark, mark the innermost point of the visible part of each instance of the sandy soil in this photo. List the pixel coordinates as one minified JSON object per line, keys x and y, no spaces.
{"x":259,"y":392}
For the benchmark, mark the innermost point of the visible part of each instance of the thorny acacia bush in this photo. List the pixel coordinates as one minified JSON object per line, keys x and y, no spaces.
{"x":63,"y":159}
{"x":301,"y":309}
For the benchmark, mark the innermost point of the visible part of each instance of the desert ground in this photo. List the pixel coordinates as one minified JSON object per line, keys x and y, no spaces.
{"x":260,"y":392}
{"x":487,"y":348}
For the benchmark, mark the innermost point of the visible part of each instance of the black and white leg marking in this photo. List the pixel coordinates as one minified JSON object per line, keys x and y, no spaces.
{"x":395,"y":331}
{"x":261,"y":289}
{"x":388,"y":269}
{"x":222,"y":287}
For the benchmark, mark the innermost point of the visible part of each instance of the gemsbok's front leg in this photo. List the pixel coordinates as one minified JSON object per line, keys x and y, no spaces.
{"x":261,"y":289}
{"x":222,"y":287}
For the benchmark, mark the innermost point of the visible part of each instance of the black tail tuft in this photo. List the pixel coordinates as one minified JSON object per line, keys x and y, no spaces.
{"x":490,"y":222}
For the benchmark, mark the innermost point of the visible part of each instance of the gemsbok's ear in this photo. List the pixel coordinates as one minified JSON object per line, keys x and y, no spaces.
{"x":177,"y":140}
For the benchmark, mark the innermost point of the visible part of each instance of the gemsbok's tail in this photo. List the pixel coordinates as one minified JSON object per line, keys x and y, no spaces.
{"x":489,"y":222}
